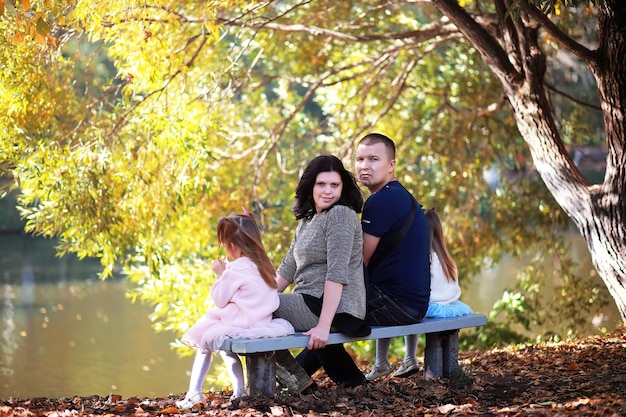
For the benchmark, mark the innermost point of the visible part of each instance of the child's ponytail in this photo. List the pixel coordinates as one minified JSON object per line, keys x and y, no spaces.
{"x":438,"y":245}
{"x":243,"y":232}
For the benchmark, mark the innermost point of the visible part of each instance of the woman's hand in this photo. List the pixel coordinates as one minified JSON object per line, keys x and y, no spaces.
{"x":318,"y":337}
{"x":218,"y":266}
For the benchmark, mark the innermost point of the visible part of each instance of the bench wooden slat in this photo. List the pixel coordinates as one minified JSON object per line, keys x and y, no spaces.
{"x":428,"y":325}
{"x":440,"y":351}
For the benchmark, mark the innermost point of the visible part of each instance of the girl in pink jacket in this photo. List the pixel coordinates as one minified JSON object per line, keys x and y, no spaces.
{"x":245,"y":295}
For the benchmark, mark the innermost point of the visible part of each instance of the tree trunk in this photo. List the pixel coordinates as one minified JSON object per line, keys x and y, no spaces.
{"x":598,"y":211}
{"x":605,"y":229}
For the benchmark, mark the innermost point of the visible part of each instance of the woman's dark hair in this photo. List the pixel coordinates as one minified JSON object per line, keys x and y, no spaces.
{"x":351,"y":196}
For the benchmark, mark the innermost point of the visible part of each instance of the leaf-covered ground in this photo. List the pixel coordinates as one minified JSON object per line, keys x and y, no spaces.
{"x":586,"y":377}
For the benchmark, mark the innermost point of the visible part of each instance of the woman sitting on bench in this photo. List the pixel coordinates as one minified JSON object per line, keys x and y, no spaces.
{"x":325,"y":265}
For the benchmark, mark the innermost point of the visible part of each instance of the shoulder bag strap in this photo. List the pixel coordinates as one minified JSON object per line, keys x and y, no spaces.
{"x":397,"y":238}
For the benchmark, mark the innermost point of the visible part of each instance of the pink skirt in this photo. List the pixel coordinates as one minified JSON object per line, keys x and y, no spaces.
{"x":209,"y":332}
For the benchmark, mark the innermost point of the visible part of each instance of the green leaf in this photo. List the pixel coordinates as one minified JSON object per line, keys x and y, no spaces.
{"x":42,"y":27}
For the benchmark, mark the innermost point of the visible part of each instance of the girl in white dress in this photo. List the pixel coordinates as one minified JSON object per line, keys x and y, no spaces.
{"x":245,"y":295}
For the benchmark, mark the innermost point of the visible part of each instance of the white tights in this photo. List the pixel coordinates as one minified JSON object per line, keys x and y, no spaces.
{"x":235,"y":370}
{"x":382,"y":348}
{"x":201,"y":365}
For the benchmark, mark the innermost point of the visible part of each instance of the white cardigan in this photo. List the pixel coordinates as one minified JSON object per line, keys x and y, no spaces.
{"x":442,"y":291}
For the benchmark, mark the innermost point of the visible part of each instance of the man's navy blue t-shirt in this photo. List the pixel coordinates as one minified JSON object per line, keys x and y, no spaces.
{"x":404,"y":273}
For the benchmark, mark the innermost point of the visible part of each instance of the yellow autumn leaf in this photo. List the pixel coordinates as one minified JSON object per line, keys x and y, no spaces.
{"x":18,"y":37}
{"x":170,"y":410}
{"x":52,"y":41}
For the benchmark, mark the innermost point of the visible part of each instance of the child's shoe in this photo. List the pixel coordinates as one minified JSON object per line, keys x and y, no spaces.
{"x":408,"y":368}
{"x":190,"y":400}
{"x":378,"y":371}
{"x":237,"y":395}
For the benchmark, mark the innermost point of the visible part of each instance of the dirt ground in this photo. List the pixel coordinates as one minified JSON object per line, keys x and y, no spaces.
{"x":584,"y":377}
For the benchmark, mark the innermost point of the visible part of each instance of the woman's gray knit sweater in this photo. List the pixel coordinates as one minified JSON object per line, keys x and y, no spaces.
{"x":328,"y":247}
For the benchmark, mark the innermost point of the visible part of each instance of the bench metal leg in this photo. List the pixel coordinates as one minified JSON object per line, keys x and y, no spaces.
{"x":433,"y":356}
{"x":450,"y":345}
{"x":441,"y":354}
{"x":261,"y":373}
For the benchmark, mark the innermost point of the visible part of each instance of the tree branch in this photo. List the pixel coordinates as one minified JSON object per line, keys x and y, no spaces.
{"x":561,"y":38}
{"x":430,"y":31}
{"x":489,"y":48}
{"x":572,"y":98}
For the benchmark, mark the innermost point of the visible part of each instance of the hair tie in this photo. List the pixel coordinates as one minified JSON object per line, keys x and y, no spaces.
{"x":246,"y":212}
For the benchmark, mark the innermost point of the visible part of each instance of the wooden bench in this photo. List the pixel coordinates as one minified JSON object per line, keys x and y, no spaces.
{"x":440,"y":354}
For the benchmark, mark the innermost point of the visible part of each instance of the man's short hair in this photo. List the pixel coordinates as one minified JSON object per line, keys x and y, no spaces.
{"x":374,"y":138}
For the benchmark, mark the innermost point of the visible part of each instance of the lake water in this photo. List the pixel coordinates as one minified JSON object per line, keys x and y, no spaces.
{"x":63,"y":332}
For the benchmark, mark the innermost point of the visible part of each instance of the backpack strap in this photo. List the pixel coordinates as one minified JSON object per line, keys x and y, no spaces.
{"x":397,"y":238}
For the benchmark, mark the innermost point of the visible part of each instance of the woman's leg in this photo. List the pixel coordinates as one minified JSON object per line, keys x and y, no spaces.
{"x":309,"y":360}
{"x":337,"y":363}
{"x":293,"y":309}
{"x":288,"y":371}
{"x":235,"y":370}
{"x":339,"y":366}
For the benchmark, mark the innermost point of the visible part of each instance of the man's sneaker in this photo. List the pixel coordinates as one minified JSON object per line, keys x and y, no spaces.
{"x":408,"y":368}
{"x":378,"y":371}
{"x":190,"y":400}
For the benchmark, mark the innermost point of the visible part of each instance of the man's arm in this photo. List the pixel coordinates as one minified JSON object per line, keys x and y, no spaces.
{"x":370,"y":243}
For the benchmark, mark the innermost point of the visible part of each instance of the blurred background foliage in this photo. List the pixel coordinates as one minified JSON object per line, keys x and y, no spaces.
{"x":129,"y":128}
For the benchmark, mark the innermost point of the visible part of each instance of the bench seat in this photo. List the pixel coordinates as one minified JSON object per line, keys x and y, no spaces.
{"x":440,"y":352}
